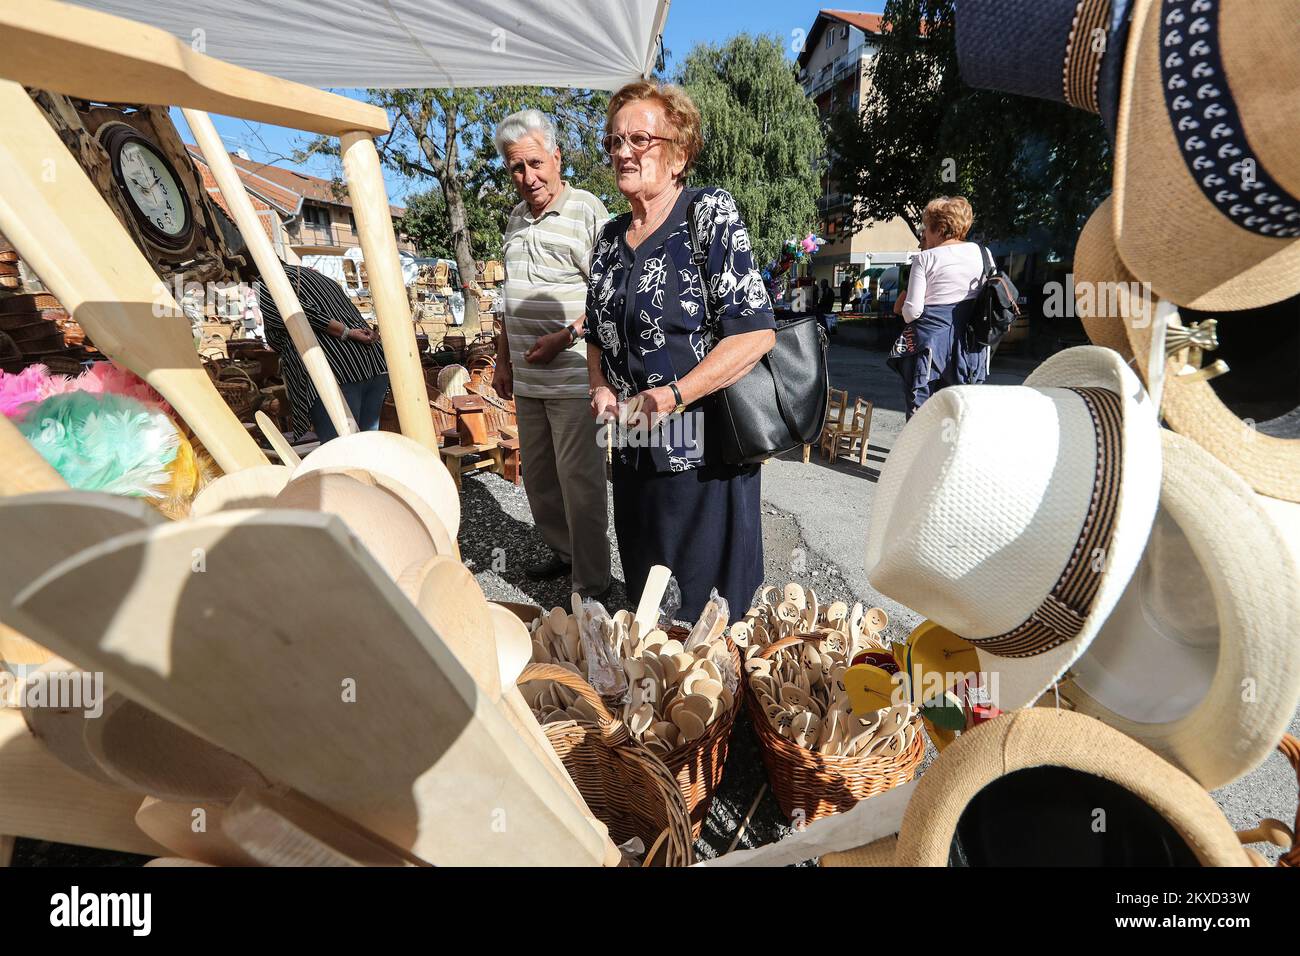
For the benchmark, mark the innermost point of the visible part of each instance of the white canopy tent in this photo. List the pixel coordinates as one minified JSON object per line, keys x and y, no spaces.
{"x":595,"y":44}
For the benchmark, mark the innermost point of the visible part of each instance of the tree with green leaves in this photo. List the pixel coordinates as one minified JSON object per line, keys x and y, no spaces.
{"x":1026,"y":165}
{"x":762,"y":137}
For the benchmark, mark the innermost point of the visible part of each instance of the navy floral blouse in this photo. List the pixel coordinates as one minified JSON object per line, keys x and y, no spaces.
{"x":645,"y":311}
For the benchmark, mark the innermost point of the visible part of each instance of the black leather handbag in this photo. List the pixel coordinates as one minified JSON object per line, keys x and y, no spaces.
{"x":780,"y":404}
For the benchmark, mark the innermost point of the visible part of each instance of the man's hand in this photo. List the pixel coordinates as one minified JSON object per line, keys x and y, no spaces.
{"x":503,"y":379}
{"x":546,"y":348}
{"x":364,"y":336}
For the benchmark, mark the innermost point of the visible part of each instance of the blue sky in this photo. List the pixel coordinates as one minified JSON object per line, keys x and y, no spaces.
{"x":689,"y":22}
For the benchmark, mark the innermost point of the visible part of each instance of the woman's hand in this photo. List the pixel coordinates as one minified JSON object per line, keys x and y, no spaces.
{"x":364,"y":336}
{"x":656,"y":404}
{"x":604,"y":404}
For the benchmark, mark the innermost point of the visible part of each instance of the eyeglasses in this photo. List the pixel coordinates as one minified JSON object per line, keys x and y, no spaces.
{"x":639,"y":140}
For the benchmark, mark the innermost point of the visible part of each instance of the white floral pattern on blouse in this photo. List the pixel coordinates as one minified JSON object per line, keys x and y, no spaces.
{"x":645,"y":307}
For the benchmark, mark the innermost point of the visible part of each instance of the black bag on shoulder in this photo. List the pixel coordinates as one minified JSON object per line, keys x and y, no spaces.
{"x":780,"y":404}
{"x":996,"y":310}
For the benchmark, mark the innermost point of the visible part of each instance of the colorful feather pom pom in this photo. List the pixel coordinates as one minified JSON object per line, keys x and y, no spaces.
{"x":22,"y":388}
{"x":104,"y":442}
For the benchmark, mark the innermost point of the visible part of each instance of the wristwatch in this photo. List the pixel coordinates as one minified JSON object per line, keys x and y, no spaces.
{"x":573,"y":332}
{"x":681,"y":406}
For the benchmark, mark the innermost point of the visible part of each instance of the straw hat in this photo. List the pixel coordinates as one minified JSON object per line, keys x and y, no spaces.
{"x":1014,"y":516}
{"x":1069,"y":51}
{"x":1117,"y":314}
{"x":996,"y":777}
{"x":1197,"y":660}
{"x":1207,"y":164}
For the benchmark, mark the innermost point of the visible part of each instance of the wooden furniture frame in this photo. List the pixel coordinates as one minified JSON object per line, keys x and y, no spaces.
{"x":846,"y":431}
{"x":82,"y":253}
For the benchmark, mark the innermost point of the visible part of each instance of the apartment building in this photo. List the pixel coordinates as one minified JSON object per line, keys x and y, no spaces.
{"x":833,"y":69}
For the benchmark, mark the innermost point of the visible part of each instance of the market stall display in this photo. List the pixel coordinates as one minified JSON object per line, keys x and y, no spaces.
{"x":675,"y":689}
{"x":822,"y":754}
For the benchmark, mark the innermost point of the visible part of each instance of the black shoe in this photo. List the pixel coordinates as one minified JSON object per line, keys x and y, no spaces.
{"x":552,"y":567}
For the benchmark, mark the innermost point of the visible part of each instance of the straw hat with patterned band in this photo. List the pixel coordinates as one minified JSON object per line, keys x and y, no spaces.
{"x":1117,"y":313}
{"x":1207,"y":151}
{"x":1025,"y":789}
{"x":1014,"y":516}
{"x":1069,"y":51}
{"x":1197,"y":661}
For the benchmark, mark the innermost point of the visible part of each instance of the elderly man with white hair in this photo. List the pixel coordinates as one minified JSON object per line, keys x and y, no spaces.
{"x":541,"y":355}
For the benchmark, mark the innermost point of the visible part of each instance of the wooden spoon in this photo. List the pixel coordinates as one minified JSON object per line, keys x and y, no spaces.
{"x":254,"y":487}
{"x":272,"y":433}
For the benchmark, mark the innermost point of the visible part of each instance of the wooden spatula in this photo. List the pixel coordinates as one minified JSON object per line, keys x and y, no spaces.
{"x":64,"y":230}
{"x":288,"y":456}
{"x":329,"y":676}
{"x":279,"y":827}
{"x":139,"y":750}
{"x":647,"y":610}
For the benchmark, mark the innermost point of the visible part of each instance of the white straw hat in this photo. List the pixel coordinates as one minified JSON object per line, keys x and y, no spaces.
{"x":1014,"y":516}
{"x":1198,"y":659}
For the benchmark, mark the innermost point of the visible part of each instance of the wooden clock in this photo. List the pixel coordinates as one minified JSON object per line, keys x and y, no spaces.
{"x":151,"y":186}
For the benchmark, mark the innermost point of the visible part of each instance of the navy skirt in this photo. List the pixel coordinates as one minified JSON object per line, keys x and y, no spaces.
{"x":704,"y":524}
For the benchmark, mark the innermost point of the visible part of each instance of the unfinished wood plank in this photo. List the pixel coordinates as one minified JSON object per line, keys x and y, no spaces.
{"x":272,"y":270}
{"x":387,"y":290}
{"x":330,"y":676}
{"x":7,"y":850}
{"x":42,"y":799}
{"x":65,"y":231}
{"x":108,"y":59}
{"x":39,"y":530}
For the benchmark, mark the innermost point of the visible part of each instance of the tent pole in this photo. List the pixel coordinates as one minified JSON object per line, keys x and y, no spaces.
{"x":272,"y":270}
{"x":387,"y":290}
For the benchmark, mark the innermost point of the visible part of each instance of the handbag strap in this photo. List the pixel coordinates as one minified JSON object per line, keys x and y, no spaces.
{"x":992,"y":268}
{"x":700,"y":257}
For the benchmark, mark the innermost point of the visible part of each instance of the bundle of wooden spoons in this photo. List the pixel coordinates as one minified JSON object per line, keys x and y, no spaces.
{"x":796,"y":653}
{"x":669,"y":694}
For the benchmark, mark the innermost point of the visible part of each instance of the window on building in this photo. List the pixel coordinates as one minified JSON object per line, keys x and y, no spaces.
{"x":830,"y":39}
{"x":352,"y":221}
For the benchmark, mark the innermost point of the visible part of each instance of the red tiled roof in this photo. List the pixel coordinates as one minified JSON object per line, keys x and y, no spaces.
{"x":870,"y":22}
{"x":287,"y":188}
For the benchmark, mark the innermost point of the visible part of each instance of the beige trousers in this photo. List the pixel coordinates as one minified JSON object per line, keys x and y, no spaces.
{"x":564,"y":476}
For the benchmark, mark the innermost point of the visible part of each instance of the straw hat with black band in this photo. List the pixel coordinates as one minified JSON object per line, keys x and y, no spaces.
{"x":1026,"y":789}
{"x":1198,"y":660}
{"x":1014,"y":515}
{"x":1117,"y":313}
{"x":1207,"y":149}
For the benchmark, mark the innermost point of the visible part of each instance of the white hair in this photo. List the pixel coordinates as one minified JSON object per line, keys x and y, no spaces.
{"x":518,"y":125}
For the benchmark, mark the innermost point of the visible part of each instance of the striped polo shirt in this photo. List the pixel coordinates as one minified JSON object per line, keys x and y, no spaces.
{"x":547,"y":262}
{"x":322,"y":299}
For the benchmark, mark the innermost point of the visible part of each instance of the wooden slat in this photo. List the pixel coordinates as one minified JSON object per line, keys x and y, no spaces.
{"x":97,"y":56}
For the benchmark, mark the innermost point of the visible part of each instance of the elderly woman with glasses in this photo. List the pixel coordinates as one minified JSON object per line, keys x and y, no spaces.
{"x":658,"y":347}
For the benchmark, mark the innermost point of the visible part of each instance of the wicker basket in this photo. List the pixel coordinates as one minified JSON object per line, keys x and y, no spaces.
{"x":814,"y":785}
{"x":697,"y":765}
{"x":236,"y":388}
{"x":625,"y":786}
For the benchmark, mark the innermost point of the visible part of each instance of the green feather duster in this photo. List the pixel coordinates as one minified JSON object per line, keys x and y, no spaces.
{"x":104,"y":442}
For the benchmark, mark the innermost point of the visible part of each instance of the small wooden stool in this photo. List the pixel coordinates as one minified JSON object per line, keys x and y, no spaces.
{"x":463,"y":459}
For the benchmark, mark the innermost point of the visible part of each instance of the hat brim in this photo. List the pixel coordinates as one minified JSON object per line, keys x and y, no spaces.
{"x":1022,"y":680}
{"x":1270,"y":464}
{"x":1252,"y":579}
{"x":1167,"y":232}
{"x":1046,"y":737}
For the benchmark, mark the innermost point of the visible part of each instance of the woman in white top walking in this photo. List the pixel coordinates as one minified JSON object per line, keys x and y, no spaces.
{"x":937,"y":304}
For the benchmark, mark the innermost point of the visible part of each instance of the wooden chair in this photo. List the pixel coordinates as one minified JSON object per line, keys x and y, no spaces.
{"x":836,"y":406}
{"x":851,"y":433}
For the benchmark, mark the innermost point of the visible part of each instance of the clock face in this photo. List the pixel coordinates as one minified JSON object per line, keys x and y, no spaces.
{"x":153,"y":189}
